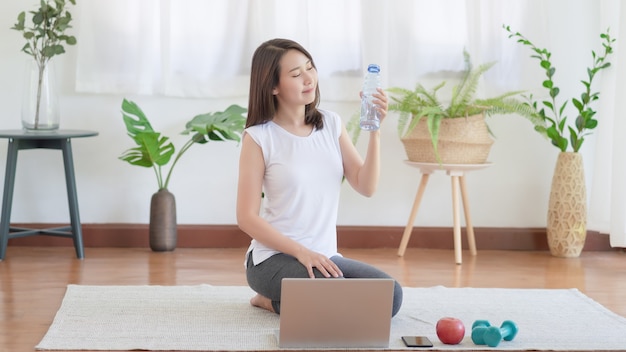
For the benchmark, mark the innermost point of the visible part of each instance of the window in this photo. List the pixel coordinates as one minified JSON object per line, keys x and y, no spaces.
{"x":197,"y":48}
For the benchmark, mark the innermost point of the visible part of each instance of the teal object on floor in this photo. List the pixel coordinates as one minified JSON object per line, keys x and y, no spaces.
{"x":57,"y":139}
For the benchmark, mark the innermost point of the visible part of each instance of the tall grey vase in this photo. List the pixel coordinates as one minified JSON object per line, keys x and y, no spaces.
{"x":163,"y":234}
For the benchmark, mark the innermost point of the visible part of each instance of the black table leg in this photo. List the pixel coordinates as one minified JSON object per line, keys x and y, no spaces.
{"x":7,"y":197}
{"x":72,"y":198}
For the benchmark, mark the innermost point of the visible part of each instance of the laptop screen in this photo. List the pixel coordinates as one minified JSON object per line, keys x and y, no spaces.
{"x":340,"y":313}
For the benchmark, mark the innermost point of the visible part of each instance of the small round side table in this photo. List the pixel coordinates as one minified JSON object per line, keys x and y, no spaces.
{"x":56,"y":139}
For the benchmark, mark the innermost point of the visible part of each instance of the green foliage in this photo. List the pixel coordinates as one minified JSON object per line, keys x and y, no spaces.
{"x":155,"y":150}
{"x":551,"y":112}
{"x":353,"y":127}
{"x":413,"y":105}
{"x":46,"y":35}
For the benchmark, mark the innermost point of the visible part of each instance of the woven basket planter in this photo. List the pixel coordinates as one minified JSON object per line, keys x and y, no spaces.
{"x":463,"y":140}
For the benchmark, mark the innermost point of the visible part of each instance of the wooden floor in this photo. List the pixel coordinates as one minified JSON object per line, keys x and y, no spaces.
{"x":34,"y":279}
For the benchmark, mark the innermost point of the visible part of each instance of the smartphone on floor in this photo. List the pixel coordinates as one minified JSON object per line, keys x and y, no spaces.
{"x":417,"y":341}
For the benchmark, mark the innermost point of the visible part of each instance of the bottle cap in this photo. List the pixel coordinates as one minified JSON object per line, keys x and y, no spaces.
{"x":373,"y":68}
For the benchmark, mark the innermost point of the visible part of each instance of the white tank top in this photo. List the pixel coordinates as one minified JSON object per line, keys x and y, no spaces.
{"x":301,"y":184}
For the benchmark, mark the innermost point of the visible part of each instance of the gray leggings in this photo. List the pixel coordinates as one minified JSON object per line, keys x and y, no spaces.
{"x":266,"y":277}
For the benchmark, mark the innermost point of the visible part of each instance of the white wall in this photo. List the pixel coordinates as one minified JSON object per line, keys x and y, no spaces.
{"x":512,"y":193}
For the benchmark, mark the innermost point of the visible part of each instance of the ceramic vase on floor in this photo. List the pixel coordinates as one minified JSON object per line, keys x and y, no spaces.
{"x":163,"y":234}
{"x":567,"y":209}
{"x":40,"y":103}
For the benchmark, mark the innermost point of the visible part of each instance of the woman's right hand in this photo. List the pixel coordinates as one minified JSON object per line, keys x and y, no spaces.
{"x":311,"y":259}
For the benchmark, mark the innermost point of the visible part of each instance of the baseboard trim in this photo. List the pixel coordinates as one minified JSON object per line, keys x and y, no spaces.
{"x":230,"y":236}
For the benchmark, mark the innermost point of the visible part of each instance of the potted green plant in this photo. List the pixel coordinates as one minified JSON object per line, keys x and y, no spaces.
{"x":427,"y":124}
{"x":567,"y":209}
{"x":153,"y":150}
{"x":45,"y":36}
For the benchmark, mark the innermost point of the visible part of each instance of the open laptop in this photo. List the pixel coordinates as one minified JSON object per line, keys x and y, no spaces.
{"x":335,"y":313}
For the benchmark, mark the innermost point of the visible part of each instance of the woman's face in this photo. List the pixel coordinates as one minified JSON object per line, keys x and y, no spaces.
{"x":298,"y":80}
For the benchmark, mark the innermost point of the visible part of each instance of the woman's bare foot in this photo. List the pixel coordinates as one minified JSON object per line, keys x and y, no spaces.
{"x":262,"y":302}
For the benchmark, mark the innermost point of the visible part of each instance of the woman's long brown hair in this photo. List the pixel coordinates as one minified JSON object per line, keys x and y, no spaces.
{"x":265,"y":76}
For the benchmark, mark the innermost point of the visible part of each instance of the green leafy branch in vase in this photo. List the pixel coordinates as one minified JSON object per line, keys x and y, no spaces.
{"x":585,"y":121}
{"x":45,"y":38}
{"x":155,"y":150}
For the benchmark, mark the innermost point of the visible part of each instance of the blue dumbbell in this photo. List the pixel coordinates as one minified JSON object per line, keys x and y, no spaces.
{"x":478,"y":330}
{"x":493,"y":335}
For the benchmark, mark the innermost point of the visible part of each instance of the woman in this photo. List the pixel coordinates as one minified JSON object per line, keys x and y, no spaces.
{"x":296,"y":156}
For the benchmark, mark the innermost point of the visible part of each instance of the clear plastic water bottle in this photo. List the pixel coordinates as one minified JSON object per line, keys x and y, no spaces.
{"x":370,"y":118}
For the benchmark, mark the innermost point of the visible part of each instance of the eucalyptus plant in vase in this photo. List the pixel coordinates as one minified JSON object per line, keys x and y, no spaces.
{"x":153,"y":150}
{"x":567,"y":208}
{"x":45,"y":36}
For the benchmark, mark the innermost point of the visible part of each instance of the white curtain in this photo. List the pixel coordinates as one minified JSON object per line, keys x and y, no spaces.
{"x":200,"y":48}
{"x":607,"y":211}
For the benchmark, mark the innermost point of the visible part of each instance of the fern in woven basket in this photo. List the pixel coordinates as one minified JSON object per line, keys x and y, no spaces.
{"x":413,"y":105}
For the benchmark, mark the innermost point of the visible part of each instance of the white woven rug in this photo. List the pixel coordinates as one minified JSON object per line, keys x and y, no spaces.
{"x":211,"y":318}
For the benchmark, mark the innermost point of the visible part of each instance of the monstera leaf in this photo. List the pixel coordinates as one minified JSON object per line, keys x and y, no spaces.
{"x":155,"y":150}
{"x":152,"y":148}
{"x":217,"y":126}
